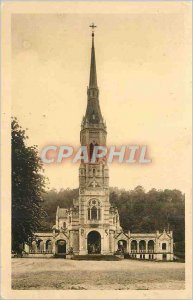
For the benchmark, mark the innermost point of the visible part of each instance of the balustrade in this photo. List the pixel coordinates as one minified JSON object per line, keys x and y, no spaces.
{"x":142,"y":251}
{"x":146,"y":247}
{"x":41,"y":251}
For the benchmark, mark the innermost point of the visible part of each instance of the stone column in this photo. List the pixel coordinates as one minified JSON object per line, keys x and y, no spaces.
{"x":129,"y":246}
{"x":111,"y":243}
{"x":82,"y":242}
{"x":115,"y":244}
{"x":54,"y":247}
{"x":44,"y":246}
{"x":35,"y":248}
{"x":105,"y":239}
{"x":156,"y":246}
{"x":171,"y":246}
{"x":102,"y":243}
{"x":146,"y":246}
{"x":137,"y":246}
{"x":70,"y":242}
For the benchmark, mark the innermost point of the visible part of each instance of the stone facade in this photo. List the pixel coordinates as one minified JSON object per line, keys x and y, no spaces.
{"x":91,"y":225}
{"x":150,"y":246}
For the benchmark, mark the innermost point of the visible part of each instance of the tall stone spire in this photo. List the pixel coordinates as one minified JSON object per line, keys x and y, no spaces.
{"x":93,"y":112}
{"x":93,"y":74}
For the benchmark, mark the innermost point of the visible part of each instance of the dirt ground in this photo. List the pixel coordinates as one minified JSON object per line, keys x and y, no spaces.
{"x":30,"y":273}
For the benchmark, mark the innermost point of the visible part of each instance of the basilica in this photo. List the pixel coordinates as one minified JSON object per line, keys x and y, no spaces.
{"x":92,"y":226}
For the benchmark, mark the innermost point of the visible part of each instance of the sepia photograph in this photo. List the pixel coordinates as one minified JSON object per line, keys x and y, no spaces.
{"x":96,"y":150}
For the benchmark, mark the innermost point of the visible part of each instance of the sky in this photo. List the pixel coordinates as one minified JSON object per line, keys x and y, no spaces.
{"x":143,"y":68}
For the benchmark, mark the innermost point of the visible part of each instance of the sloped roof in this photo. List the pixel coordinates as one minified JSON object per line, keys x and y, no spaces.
{"x":93,"y":73}
{"x":164,"y":236}
{"x":121,"y":235}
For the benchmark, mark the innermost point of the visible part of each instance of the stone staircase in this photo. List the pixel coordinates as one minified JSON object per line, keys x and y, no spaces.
{"x":96,"y":257}
{"x":60,"y":255}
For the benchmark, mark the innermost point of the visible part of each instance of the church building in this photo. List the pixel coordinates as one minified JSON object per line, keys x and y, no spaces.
{"x":92,"y":226}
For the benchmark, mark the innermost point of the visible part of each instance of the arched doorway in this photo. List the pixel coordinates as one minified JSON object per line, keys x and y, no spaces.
{"x":151,"y":246}
{"x":133,"y":246}
{"x":122,"y":246}
{"x":40,"y":246}
{"x":49,"y":246}
{"x":142,"y":246}
{"x":94,"y":242}
{"x":61,"y":246}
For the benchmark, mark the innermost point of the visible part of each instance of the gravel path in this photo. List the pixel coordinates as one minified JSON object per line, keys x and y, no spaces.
{"x":30,"y":273}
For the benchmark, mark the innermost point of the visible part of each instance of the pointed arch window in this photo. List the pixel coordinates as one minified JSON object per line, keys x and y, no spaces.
{"x":94,"y":213}
{"x":94,"y":210}
{"x":91,"y":148}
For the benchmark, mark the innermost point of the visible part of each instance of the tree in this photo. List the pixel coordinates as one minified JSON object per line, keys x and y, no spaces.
{"x":28,"y":185}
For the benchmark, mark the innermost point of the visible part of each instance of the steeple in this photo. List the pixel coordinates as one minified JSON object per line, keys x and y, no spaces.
{"x":93,"y":112}
{"x":93,"y":74}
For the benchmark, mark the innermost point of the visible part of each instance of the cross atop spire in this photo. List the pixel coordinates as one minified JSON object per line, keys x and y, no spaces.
{"x":93,"y":26}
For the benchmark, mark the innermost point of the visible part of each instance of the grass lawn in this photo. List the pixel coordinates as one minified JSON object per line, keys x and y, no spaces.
{"x":39,"y":273}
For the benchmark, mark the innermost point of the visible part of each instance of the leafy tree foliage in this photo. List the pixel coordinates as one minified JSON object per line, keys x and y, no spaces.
{"x":155,"y":210}
{"x":27,"y":186}
{"x":52,"y":199}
